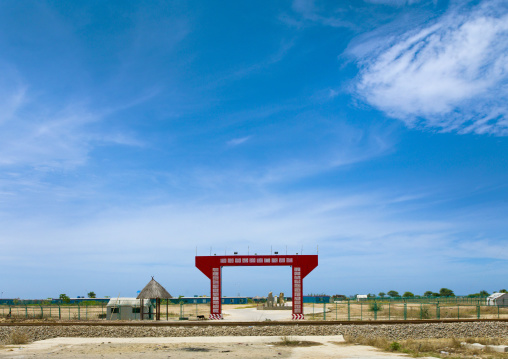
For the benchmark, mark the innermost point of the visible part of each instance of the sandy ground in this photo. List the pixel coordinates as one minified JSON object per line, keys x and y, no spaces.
{"x":192,"y":347}
{"x":254,"y":315}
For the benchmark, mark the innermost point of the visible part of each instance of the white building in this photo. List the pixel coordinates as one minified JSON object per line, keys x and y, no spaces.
{"x":127,"y":309}
{"x":360,"y":297}
{"x":498,"y":299}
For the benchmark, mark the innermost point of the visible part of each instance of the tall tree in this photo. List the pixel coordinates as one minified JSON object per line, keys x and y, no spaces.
{"x":91,"y":295}
{"x":445,"y":292}
{"x":393,"y":293}
{"x":408,"y":295}
{"x":428,"y":293}
{"x":382,"y":294}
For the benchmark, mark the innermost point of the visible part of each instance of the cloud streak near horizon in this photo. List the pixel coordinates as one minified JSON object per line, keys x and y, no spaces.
{"x":364,"y":228}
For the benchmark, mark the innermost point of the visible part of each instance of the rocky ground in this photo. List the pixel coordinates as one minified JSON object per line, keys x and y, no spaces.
{"x":393,"y":331}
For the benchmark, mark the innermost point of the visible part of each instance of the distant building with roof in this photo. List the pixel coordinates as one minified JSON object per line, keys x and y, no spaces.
{"x":128,"y":309}
{"x":498,"y":299}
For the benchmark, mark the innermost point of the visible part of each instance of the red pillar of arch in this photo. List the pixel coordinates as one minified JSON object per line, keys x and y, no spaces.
{"x":211,"y":266}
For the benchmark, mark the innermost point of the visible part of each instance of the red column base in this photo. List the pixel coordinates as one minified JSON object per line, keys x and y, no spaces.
{"x":298,"y":316}
{"x":216,"y":317}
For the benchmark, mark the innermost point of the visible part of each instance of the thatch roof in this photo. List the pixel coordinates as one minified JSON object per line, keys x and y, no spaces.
{"x":154,"y":290}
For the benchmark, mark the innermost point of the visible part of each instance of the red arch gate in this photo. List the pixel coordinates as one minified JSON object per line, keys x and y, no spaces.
{"x":211,"y":266}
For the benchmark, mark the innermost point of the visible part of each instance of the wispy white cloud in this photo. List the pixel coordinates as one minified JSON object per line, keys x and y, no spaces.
{"x":309,"y":11}
{"x":451,"y":75}
{"x":396,"y":2}
{"x":347,"y":146}
{"x":244,"y":71}
{"x":39,"y":133}
{"x":42,"y":138}
{"x":238,"y":141}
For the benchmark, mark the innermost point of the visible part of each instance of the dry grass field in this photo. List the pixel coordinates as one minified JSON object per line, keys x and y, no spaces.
{"x":441,"y":348}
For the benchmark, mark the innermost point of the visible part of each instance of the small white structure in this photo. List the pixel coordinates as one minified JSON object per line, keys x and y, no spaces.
{"x":498,"y":299}
{"x":126,"y":309}
{"x":360,"y":297}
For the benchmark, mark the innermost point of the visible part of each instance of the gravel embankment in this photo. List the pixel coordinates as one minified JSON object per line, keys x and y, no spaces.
{"x":394,"y":331}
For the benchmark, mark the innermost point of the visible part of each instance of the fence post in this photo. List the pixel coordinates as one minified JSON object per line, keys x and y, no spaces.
{"x":86,"y":312}
{"x":458,"y":311}
{"x":498,"y":311}
{"x":59,"y":312}
{"x":26,"y":311}
{"x":438,"y":314}
{"x":389,"y":310}
{"x":348,"y":311}
{"x":421,"y":311}
{"x":335,"y":311}
{"x":361,"y":310}
{"x":405,"y":311}
{"x":313,"y":304}
{"x":79,"y":312}
{"x":324,"y":310}
{"x":477,"y":312}
{"x":42,"y":313}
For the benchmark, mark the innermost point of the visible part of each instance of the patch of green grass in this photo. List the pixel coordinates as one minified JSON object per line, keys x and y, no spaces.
{"x":395,"y":346}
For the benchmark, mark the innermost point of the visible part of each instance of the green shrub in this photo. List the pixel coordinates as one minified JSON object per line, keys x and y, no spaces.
{"x":425,"y":313}
{"x":375,"y":307}
{"x":395,"y":346}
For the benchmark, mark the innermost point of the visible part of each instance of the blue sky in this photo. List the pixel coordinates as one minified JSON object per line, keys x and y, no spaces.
{"x":134,"y":132}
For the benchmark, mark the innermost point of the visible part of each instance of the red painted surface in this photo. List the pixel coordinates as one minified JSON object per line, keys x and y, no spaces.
{"x":211,"y":266}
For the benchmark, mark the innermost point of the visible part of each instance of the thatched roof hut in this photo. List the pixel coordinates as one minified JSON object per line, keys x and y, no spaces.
{"x":154,"y":290}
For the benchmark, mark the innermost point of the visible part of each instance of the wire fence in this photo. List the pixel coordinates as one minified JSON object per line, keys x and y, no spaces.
{"x":341,"y":311}
{"x":450,"y":300}
{"x":71,"y":312}
{"x":352,"y":311}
